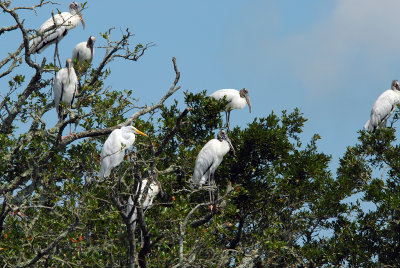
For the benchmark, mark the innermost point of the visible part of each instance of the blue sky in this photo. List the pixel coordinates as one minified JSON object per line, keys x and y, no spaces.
{"x":331,"y":59}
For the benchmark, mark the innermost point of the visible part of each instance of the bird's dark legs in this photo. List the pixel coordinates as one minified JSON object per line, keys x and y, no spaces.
{"x":227,"y":115}
{"x":55,"y":55}
{"x":58,"y":56}
{"x":211,"y":183}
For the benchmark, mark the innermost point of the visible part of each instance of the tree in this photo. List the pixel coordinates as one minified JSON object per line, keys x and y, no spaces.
{"x":278,"y":204}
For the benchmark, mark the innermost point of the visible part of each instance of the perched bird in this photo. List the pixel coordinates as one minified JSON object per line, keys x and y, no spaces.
{"x":65,"y":88}
{"x":153,"y":190}
{"x":84,"y":51}
{"x":209,"y":158}
{"x":236,"y":100}
{"x":55,"y":28}
{"x":384,"y":107}
{"x":114,"y":148}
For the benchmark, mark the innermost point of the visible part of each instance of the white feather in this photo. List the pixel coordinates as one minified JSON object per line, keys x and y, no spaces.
{"x":64,"y":89}
{"x":55,"y":28}
{"x":232,"y":96}
{"x":114,"y":148}
{"x":82,"y":51}
{"x":152,"y":192}
{"x":208,"y":160}
{"x":383,"y":108}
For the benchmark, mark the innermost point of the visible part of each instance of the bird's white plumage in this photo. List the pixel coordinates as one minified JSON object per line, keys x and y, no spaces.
{"x":64,"y":88}
{"x":114,"y":148}
{"x":383,"y":108}
{"x":236,"y":100}
{"x":49,"y":34}
{"x":152,"y":192}
{"x":208,"y":160}
{"x":232,"y":96}
{"x":84,"y":51}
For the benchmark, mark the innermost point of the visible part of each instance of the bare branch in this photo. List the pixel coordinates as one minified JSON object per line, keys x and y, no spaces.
{"x":8,"y":29}
{"x":173,"y":131}
{"x":32,"y":86}
{"x":106,"y":131}
{"x":25,"y":37}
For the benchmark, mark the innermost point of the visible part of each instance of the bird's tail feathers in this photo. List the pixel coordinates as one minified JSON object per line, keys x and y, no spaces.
{"x":368,"y":126}
{"x":196,"y":179}
{"x":104,"y":172}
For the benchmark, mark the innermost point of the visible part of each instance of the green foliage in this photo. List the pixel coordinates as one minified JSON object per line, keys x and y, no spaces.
{"x":278,"y":204}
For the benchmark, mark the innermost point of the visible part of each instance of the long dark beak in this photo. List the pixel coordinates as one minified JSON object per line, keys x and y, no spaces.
{"x":248,"y":101}
{"x":69,"y":69}
{"x":81,"y":18}
{"x":91,"y":45}
{"x":230,"y":144}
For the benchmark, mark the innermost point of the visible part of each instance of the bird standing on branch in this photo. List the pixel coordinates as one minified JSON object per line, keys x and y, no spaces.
{"x":153,"y":190}
{"x":114,"y":148}
{"x":236,"y":100}
{"x":55,"y":28}
{"x":384,"y":107}
{"x":84,"y":51}
{"x":65,"y":88}
{"x":208,"y":160}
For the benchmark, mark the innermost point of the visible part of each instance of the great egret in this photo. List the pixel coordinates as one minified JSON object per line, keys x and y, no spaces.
{"x":236,"y":99}
{"x":114,"y":148}
{"x":384,"y":107}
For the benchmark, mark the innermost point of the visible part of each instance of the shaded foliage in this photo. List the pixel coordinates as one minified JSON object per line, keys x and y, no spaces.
{"x":279,"y":205}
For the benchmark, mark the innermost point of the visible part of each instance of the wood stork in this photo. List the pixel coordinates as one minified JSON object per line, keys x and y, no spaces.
{"x":384,"y":107}
{"x":236,"y":99}
{"x":114,"y":148}
{"x":209,"y":158}
{"x":65,"y":88}
{"x":153,"y":190}
{"x":84,"y":51}
{"x":55,"y":28}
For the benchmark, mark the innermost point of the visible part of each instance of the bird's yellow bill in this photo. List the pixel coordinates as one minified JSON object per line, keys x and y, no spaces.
{"x":141,"y":133}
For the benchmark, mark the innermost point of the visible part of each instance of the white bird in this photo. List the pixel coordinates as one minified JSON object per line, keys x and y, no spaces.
{"x":153,"y":190}
{"x":114,"y":148}
{"x":65,"y":88}
{"x":55,"y":28}
{"x":209,"y":158}
{"x":384,"y":107}
{"x":236,"y":100}
{"x":84,"y":51}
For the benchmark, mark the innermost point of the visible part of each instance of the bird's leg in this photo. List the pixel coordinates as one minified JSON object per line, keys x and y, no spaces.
{"x":58,"y":55}
{"x":76,"y":124}
{"x":228,"y":116}
{"x":69,"y":135}
{"x":211,"y":191}
{"x":55,"y":55}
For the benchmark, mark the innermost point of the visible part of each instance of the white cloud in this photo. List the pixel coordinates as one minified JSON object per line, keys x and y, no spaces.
{"x":357,"y":39}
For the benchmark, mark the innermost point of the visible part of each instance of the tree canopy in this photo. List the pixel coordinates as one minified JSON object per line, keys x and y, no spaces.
{"x":278,"y":203}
